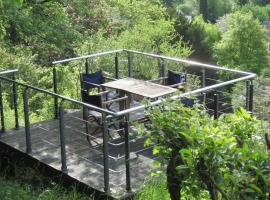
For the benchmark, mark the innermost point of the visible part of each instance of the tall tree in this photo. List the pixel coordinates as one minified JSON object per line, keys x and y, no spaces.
{"x":244,"y":44}
{"x":204,"y":9}
{"x":242,"y":2}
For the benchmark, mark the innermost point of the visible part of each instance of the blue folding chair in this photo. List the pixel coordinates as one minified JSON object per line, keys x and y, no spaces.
{"x":99,"y":98}
{"x":189,"y":102}
{"x":175,"y":79}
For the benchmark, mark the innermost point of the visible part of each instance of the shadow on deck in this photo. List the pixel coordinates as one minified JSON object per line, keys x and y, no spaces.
{"x":85,"y":162}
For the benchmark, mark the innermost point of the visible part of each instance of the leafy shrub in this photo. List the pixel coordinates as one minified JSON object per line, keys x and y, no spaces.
{"x":243,"y":45}
{"x":221,"y":156}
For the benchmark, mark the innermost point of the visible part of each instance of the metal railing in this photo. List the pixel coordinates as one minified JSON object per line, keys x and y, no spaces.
{"x":244,"y":76}
{"x":216,"y":99}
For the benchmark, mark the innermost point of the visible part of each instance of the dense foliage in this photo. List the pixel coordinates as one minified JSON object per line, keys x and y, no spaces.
{"x":225,"y":156}
{"x":234,"y":50}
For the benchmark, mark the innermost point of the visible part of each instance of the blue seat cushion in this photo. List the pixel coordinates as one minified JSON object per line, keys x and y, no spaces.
{"x":174,"y":78}
{"x":189,"y":102}
{"x":92,"y":78}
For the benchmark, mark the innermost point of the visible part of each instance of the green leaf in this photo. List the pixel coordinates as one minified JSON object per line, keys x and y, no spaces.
{"x":155,"y":150}
{"x":255,"y":188}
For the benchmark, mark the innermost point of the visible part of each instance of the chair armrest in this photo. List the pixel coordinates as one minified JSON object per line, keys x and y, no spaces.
{"x":158,"y":79}
{"x":102,"y":93}
{"x":178,"y":85}
{"x":115,"y":100}
{"x":109,"y":78}
{"x":89,"y":83}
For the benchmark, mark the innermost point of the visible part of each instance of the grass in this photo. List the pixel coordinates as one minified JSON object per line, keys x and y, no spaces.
{"x":154,"y":189}
{"x":12,"y":189}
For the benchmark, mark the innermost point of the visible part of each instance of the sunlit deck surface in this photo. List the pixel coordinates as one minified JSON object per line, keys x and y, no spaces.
{"x":84,"y":162}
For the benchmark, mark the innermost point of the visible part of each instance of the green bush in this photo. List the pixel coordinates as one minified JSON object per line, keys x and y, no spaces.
{"x":243,"y":44}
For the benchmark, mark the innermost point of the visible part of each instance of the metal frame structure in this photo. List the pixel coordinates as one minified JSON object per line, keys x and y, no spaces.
{"x":107,"y":114}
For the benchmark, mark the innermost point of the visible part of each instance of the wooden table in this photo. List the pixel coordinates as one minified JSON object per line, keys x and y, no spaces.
{"x":140,"y":87}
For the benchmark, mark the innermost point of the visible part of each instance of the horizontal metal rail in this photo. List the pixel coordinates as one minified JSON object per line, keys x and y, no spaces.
{"x":247,"y":76}
{"x":124,"y":112}
{"x":87,"y":56}
{"x":58,"y":96}
{"x":190,"y":62}
{"x":8,"y":71}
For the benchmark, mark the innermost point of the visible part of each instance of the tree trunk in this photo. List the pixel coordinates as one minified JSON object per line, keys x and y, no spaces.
{"x":267,"y":141}
{"x":204,"y":9}
{"x":174,"y":182}
{"x":205,"y":177}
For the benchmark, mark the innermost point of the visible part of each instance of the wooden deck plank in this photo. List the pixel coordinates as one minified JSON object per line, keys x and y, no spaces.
{"x":84,"y":162}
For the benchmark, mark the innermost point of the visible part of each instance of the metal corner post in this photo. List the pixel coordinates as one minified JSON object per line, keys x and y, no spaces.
{"x":27,"y":122}
{"x":129,"y":64}
{"x":250,"y":102}
{"x":116,"y":62}
{"x":105,"y":155}
{"x":55,"y":91}
{"x":62,"y":139}
{"x":15,"y":101}
{"x":127,"y":155}
{"x":3,"y":129}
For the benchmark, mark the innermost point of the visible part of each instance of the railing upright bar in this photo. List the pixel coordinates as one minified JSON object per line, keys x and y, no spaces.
{"x":127,"y":156}
{"x":27,"y":122}
{"x":105,"y":156}
{"x":86,"y":66}
{"x":129,"y":65}
{"x":15,"y":101}
{"x":55,"y":91}
{"x":203,"y":77}
{"x":250,"y":106}
{"x":116,"y":62}
{"x":62,"y":139}
{"x":247,"y":94}
{"x":3,"y":129}
{"x":216,"y":105}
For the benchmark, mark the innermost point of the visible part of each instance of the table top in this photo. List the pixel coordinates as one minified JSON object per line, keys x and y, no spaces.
{"x":140,"y":87}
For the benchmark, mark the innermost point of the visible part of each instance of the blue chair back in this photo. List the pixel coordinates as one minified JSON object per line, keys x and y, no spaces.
{"x":189,"y":102}
{"x":96,"y":78}
{"x":174,"y":78}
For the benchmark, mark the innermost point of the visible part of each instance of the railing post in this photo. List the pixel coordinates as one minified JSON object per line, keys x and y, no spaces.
{"x":15,"y":101}
{"x":203,"y":78}
{"x":116,"y":62}
{"x":86,"y":66}
{"x":247,"y":94}
{"x":105,"y":156}
{"x":3,"y":129}
{"x":127,"y":156}
{"x":204,"y":98}
{"x":129,"y":65}
{"x":250,"y":102}
{"x":216,"y":105}
{"x":62,"y":139}
{"x":55,"y":91}
{"x":26,"y":122}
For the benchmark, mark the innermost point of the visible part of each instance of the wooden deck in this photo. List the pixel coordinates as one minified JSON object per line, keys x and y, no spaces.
{"x":84,"y":162}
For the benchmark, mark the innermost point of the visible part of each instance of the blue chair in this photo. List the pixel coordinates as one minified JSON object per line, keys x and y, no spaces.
{"x":99,"y":98}
{"x":175,"y":79}
{"x":189,"y":102}
{"x":93,"y":81}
